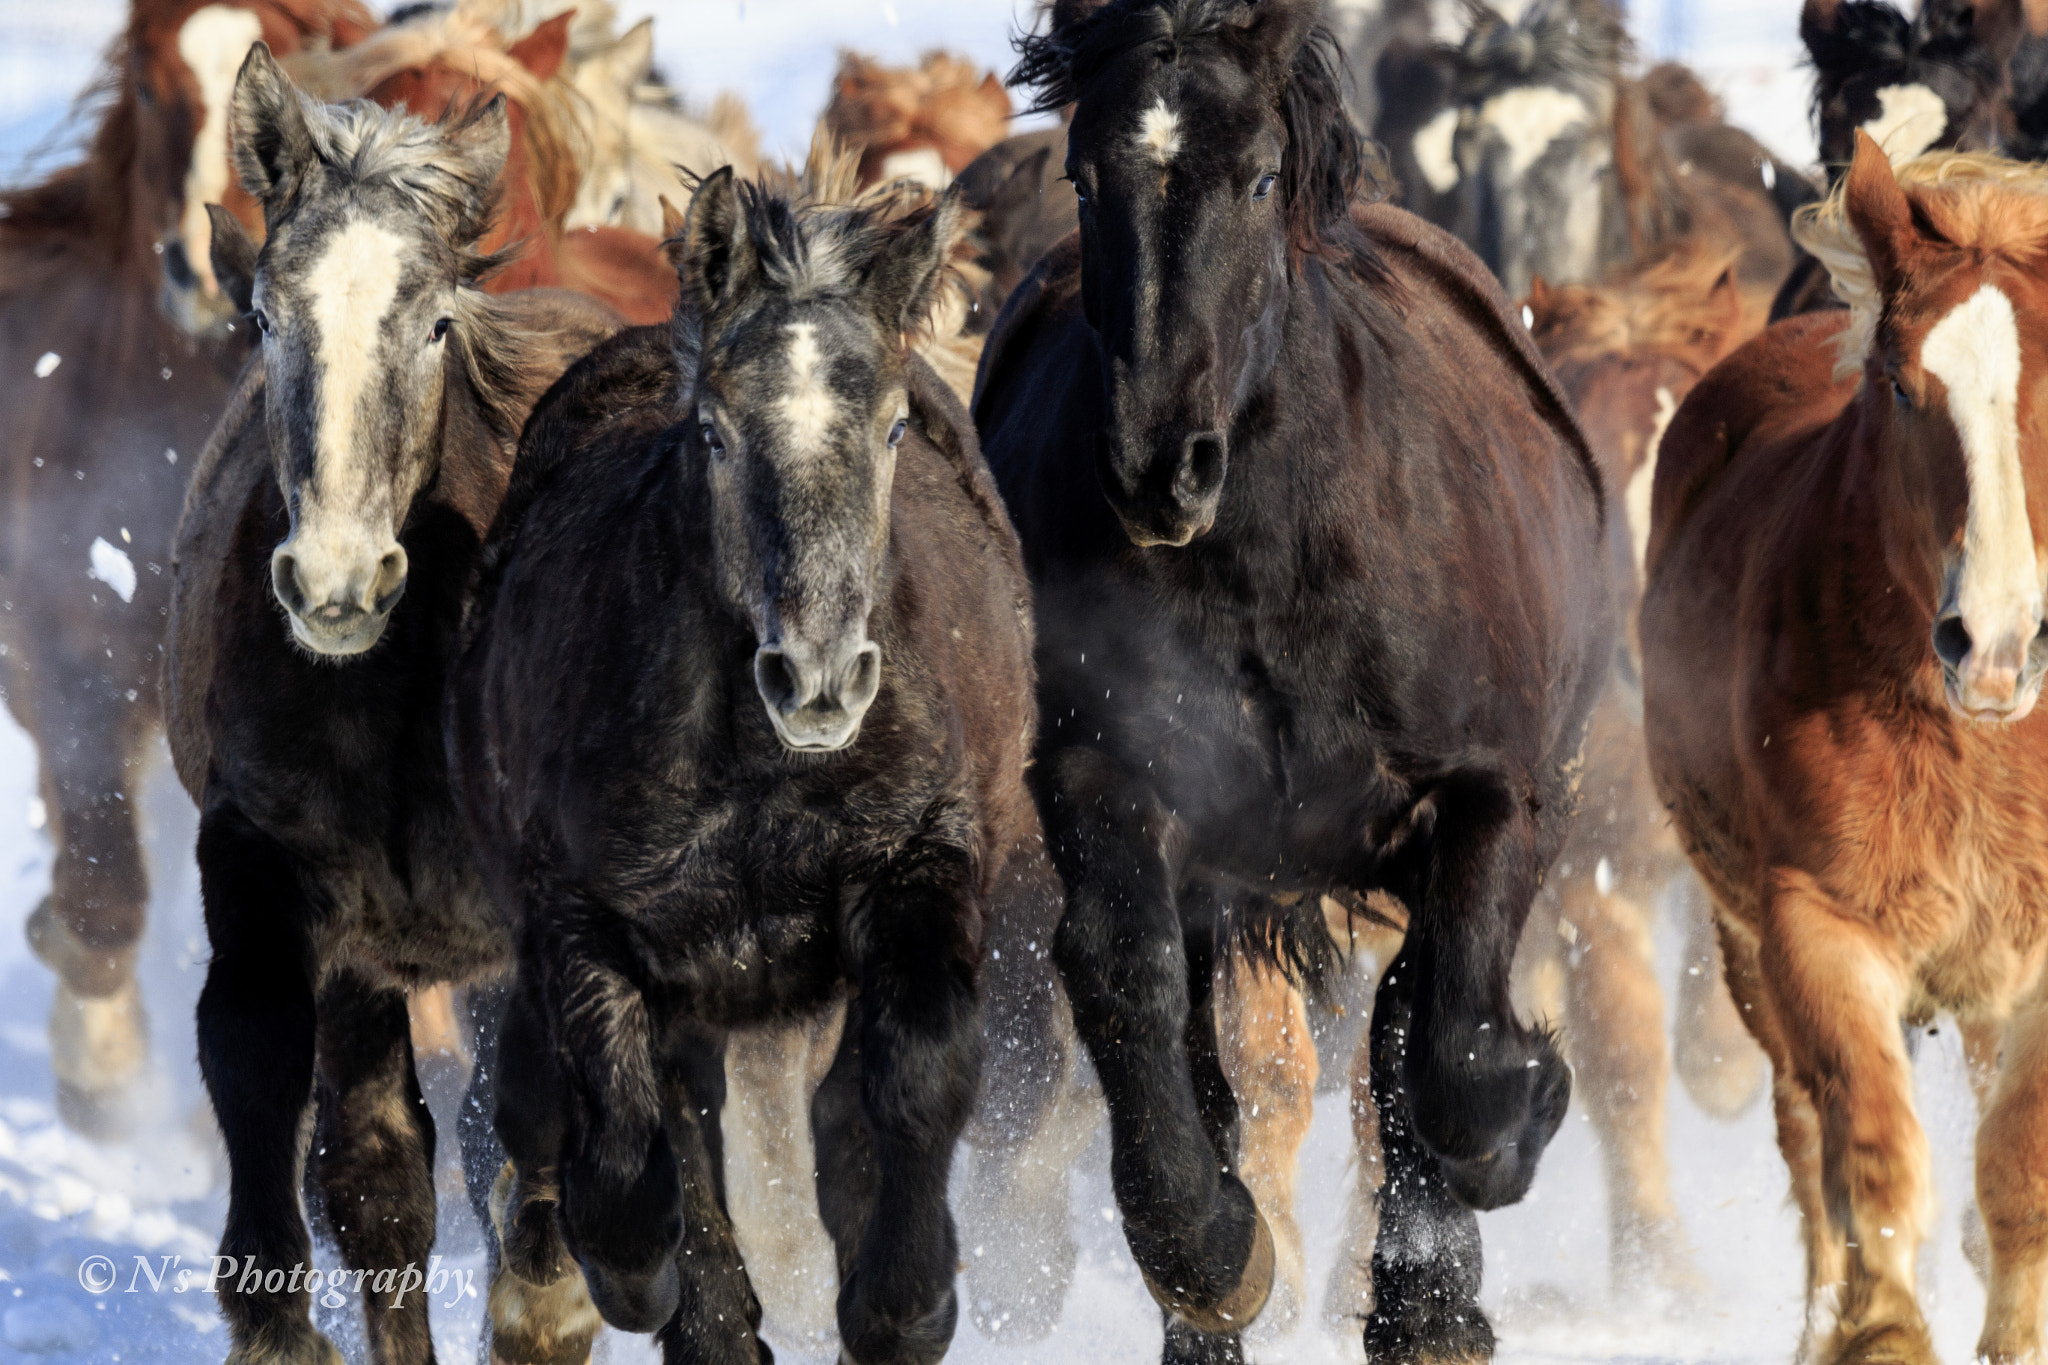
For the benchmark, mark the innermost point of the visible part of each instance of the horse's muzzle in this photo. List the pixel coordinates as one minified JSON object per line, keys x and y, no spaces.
{"x":1175,"y":498}
{"x":338,"y":613}
{"x":1995,"y":682}
{"x":817,"y":697}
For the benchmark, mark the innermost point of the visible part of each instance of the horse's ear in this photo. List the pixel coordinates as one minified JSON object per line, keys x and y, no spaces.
{"x":233,"y":256}
{"x":1878,"y":210}
{"x":478,"y":144}
{"x":672,"y":224}
{"x":1539,"y":294}
{"x":718,"y":256}
{"x":1820,"y":29}
{"x":1726,"y":296}
{"x":630,"y":61}
{"x":903,"y":283}
{"x":545,"y":49}
{"x":1068,"y":13}
{"x":268,"y":125}
{"x":1277,"y":29}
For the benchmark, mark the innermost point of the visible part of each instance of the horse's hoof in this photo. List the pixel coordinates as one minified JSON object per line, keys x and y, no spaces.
{"x":541,"y":1324}
{"x":86,"y":968}
{"x":1652,"y":1258}
{"x":98,"y":1047}
{"x":1891,"y":1343}
{"x":1236,"y":1310}
{"x":1427,"y":1328}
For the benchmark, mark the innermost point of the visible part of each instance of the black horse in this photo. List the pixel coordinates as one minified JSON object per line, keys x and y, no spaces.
{"x":1318,"y":553}
{"x":323,"y":560}
{"x":744,"y":722}
{"x":1933,"y":81}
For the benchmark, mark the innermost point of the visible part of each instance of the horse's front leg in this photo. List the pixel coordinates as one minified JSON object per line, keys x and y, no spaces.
{"x":1468,"y":1097}
{"x":375,"y":1160}
{"x":1192,"y":1227}
{"x":256,"y":1037}
{"x":915,"y":938}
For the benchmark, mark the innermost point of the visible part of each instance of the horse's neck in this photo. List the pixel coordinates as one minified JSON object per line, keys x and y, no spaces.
{"x":476,"y":463}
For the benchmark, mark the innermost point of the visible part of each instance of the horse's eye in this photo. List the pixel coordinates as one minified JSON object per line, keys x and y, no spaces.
{"x":896,"y":432}
{"x":1903,"y":399}
{"x":1265,"y":185}
{"x":440,"y":332}
{"x":712,"y":442}
{"x":261,"y":319}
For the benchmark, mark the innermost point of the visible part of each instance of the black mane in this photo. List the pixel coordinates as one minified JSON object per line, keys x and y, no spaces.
{"x":1870,"y":36}
{"x":1326,"y":171}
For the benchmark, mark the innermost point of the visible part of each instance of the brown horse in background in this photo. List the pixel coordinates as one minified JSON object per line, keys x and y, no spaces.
{"x":108,"y":403}
{"x":1843,"y":649}
{"x":922,"y":123}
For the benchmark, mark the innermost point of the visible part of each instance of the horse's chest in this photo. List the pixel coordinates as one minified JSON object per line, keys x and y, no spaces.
{"x":1945,"y":858}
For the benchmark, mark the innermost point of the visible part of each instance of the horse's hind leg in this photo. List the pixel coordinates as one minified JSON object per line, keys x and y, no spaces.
{"x":1614,"y":1035}
{"x":1031,"y":1123}
{"x":87,"y":930}
{"x":1717,"y":1061}
{"x":256,"y":1039}
{"x":718,"y":1317}
{"x":374,"y":1140}
{"x":2012,"y":1193}
{"x":1192,"y":1227}
{"x":1269,"y":1055}
{"x":1798,"y":1133}
{"x":771,"y":1163}
{"x":1837,"y":993}
{"x":540,"y":1310}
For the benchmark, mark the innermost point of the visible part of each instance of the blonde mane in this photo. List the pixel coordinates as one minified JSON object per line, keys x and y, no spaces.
{"x":1972,"y":198}
{"x":1666,"y":306}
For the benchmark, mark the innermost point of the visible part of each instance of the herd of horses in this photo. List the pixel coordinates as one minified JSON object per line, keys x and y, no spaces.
{"x":846,"y":665}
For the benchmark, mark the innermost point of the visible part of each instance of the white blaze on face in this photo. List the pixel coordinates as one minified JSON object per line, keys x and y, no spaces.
{"x":354,"y":283}
{"x":1159,"y":133}
{"x":1975,"y":353}
{"x":1528,"y":119}
{"x":1435,"y":150}
{"x":1910,"y":119}
{"x":808,"y":408}
{"x":212,"y":44}
{"x":919,"y":165}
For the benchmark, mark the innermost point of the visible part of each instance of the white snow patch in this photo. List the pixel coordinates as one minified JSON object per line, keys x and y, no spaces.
{"x":112,"y":566}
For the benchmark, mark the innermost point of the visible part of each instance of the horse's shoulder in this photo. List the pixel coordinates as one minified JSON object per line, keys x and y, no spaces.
{"x":1776,"y":389}
{"x":1436,"y":278}
{"x":947,"y":427}
{"x":226,"y":479}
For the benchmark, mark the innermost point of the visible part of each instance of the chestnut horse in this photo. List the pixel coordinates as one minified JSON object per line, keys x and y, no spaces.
{"x":923,"y":123}
{"x":108,"y":403}
{"x":1843,"y":648}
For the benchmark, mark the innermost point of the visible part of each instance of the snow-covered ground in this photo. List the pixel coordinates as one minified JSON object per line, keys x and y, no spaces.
{"x":64,"y":1200}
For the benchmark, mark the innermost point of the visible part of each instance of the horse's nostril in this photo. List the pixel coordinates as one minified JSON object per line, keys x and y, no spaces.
{"x":284,"y":581}
{"x":1951,"y":640}
{"x":1202,"y":458}
{"x":390,"y":580}
{"x":775,"y":677}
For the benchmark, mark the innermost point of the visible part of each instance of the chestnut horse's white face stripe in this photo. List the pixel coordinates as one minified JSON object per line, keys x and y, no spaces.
{"x":1975,"y":353}
{"x":809,"y":407}
{"x":1159,"y":133}
{"x":212,"y":44}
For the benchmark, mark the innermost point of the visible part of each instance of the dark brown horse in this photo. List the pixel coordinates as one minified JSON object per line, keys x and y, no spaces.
{"x":744,"y":722}
{"x":1319,"y":561}
{"x":323,"y":562}
{"x":1843,"y":648}
{"x":108,"y":403}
